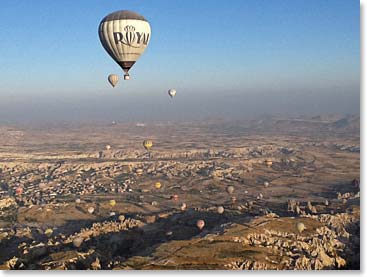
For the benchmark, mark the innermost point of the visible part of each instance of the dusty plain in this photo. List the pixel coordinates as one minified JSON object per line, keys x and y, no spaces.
{"x":57,"y":183}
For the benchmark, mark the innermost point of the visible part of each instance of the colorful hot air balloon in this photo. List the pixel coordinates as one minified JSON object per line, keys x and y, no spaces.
{"x":124,"y":35}
{"x":147,"y":144}
{"x":113,"y":79}
{"x":172,"y":92}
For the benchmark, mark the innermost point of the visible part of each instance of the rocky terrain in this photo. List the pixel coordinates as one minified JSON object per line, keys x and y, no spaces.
{"x":91,"y":197}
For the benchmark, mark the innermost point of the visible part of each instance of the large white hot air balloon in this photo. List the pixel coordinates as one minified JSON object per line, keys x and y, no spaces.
{"x":172,"y":92}
{"x":113,"y":79}
{"x":124,"y":35}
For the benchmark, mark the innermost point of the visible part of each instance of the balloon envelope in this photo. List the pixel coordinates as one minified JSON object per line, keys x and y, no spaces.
{"x":220,"y":210}
{"x":300,"y":227}
{"x":230,"y":189}
{"x":124,"y":35}
{"x":172,"y":92}
{"x":200,"y":224}
{"x":113,"y":79}
{"x":147,"y":144}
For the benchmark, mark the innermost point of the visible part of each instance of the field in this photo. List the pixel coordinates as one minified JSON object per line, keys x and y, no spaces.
{"x":91,"y":197}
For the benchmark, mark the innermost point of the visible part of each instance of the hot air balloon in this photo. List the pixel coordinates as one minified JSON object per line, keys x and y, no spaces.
{"x":183,"y":207}
{"x":90,"y":210}
{"x":300,"y":227}
{"x":158,"y":185}
{"x":19,"y":190}
{"x":147,"y":144}
{"x":49,"y":232}
{"x":230,"y":189}
{"x":200,"y":224}
{"x":108,"y":147}
{"x":121,"y":217}
{"x":113,"y":79}
{"x":172,"y":92}
{"x":124,"y":35}
{"x":112,"y":203}
{"x":220,"y":210}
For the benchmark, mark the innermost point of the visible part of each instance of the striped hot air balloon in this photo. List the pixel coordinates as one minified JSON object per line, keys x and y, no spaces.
{"x":124,"y":35}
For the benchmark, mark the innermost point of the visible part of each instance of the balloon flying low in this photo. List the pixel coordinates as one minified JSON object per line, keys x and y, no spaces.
{"x":147,"y":144}
{"x":112,"y":203}
{"x":90,"y":210}
{"x":113,"y":79}
{"x":220,"y":210}
{"x":230,"y":189}
{"x":124,"y":35}
{"x":200,"y":224}
{"x":300,"y":227}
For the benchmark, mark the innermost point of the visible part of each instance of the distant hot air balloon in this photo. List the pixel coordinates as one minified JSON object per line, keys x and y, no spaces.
{"x":108,"y":147}
{"x":230,"y":189}
{"x":300,"y":227}
{"x":49,"y":232}
{"x":183,"y":206}
{"x":220,"y":210}
{"x":113,"y":79}
{"x":19,"y":190}
{"x":158,"y":185}
{"x":172,"y":92}
{"x":200,"y":224}
{"x":112,"y":203}
{"x":147,"y":144}
{"x":124,"y":35}
{"x":90,"y":210}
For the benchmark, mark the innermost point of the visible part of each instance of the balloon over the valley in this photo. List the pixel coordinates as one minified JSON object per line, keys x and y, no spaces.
{"x":300,"y":227}
{"x":113,"y":79}
{"x":124,"y":35}
{"x":200,"y":224}
{"x":147,"y":144}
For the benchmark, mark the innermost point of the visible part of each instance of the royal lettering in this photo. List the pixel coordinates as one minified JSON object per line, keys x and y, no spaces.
{"x":135,"y":37}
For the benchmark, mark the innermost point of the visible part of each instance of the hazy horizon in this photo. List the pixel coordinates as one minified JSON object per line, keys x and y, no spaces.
{"x":256,"y":58}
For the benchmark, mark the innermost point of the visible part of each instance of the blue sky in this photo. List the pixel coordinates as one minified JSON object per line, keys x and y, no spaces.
{"x":51,"y":48}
